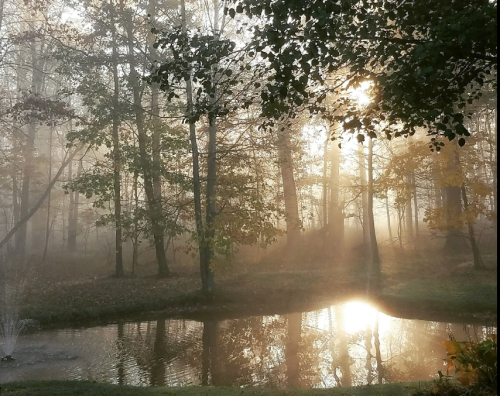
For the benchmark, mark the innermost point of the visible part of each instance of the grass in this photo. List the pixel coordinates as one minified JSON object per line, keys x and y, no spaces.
{"x":458,"y":293}
{"x":77,"y":388}
{"x":414,"y":287}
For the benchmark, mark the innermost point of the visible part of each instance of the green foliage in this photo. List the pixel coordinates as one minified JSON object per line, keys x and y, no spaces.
{"x":97,"y":183}
{"x":475,"y":363}
{"x":475,"y":366}
{"x":428,"y":60}
{"x":213,"y":64}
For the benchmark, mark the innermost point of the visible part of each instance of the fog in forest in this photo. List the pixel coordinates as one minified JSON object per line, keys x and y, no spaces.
{"x":144,"y":140}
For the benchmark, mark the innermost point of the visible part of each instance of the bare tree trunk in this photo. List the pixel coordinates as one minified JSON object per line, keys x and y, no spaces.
{"x":375,"y":259}
{"x":325,"y":196}
{"x":415,"y":204}
{"x":336,"y":217}
{"x":455,"y":238}
{"x":289,"y":188}
{"x":211,"y":209}
{"x":156,"y":134}
{"x":47,"y":224}
{"x":400,"y":226}
{"x":409,"y":209}
{"x":476,"y":255}
{"x":74,"y":197}
{"x":388,"y":213}
{"x":71,"y":226}
{"x":494,"y":150}
{"x":135,"y":238}
{"x":364,"y":197}
{"x":154,"y":204}
{"x":196,"y":170}
{"x":23,"y":220}
{"x":119,"y":270}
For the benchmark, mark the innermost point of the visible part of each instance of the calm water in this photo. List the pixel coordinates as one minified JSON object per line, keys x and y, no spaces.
{"x":343,"y":345}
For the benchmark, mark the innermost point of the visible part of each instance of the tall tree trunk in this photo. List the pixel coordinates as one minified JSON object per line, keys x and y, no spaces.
{"x":47,"y":223}
{"x":23,"y":220}
{"x":211,"y":206}
{"x":74,"y":200}
{"x":388,"y":214}
{"x":335,"y":215}
{"x":155,"y":113}
{"x":325,"y":196}
{"x":364,"y":197}
{"x":119,"y":270}
{"x":476,"y":255}
{"x":455,"y":238}
{"x":400,"y":226}
{"x":135,"y":237}
{"x":494,"y":151}
{"x":289,"y":188}
{"x":211,"y":209}
{"x":415,"y":203}
{"x":196,"y":171}
{"x":409,"y":209}
{"x":154,"y":204}
{"x":15,"y":196}
{"x":71,"y":230}
{"x":375,"y":257}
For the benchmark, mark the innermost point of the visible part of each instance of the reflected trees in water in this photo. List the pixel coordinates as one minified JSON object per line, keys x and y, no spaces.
{"x":333,"y":347}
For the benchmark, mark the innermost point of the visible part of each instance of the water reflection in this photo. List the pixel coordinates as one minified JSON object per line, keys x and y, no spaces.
{"x":343,"y":345}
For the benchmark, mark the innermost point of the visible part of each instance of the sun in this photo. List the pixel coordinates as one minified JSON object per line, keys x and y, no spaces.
{"x":360,"y":94}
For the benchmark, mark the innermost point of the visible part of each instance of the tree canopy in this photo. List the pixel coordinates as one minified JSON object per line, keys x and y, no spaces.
{"x":427,"y":60}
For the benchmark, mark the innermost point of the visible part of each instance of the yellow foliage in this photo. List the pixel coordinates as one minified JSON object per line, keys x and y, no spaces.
{"x":473,"y":362}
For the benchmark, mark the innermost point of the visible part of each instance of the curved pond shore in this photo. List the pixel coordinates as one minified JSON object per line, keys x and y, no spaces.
{"x":464,"y":295}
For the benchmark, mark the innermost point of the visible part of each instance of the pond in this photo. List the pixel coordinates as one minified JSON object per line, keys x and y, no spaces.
{"x":347,"y":344}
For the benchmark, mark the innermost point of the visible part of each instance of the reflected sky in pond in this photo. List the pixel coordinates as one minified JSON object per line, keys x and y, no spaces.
{"x":343,"y":345}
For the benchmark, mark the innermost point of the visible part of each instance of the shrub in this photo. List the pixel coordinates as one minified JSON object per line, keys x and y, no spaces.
{"x":474,"y":363}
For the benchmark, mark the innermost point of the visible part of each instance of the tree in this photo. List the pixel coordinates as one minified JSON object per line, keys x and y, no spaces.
{"x":217,"y":77}
{"x":427,"y":60}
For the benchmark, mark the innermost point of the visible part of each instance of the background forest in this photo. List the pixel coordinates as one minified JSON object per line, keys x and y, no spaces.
{"x":155,"y":137}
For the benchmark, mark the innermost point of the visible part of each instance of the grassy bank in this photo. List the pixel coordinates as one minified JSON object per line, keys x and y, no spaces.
{"x":412,"y":288}
{"x":64,"y":388}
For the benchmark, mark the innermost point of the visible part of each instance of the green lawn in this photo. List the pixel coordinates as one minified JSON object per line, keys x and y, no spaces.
{"x":462,"y":293}
{"x":76,"y":388}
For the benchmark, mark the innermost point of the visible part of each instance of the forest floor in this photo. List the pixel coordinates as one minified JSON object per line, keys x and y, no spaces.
{"x":413,"y":286}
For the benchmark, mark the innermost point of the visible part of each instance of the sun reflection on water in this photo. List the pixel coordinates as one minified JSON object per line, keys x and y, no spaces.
{"x":342,"y":345}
